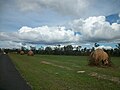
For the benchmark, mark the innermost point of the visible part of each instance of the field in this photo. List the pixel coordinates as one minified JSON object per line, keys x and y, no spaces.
{"x":49,"y":72}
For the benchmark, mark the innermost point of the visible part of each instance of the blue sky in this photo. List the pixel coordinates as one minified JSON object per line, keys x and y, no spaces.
{"x":52,"y":22}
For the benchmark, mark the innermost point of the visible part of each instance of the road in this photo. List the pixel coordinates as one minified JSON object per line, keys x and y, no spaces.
{"x":10,"y":78}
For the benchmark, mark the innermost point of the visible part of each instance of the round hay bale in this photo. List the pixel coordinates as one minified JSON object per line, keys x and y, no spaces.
{"x":99,"y":57}
{"x":30,"y":53}
{"x":22,"y":53}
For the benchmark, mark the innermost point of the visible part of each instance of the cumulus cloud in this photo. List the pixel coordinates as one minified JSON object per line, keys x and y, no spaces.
{"x":90,"y":30}
{"x":104,"y":47}
{"x":81,"y":8}
{"x":41,"y":35}
{"x":96,"y":29}
{"x":10,"y":44}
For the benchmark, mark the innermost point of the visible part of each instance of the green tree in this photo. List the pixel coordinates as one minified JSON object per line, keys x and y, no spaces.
{"x":118,"y":46}
{"x":78,"y":48}
{"x":23,"y":48}
{"x":33,"y":49}
{"x":96,"y":45}
{"x":68,"y":49}
{"x":117,"y":50}
{"x":48,"y":50}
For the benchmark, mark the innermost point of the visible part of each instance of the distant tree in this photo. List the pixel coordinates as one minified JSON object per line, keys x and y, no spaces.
{"x":78,"y":48}
{"x":0,"y":50}
{"x":59,"y":46}
{"x":23,"y":48}
{"x":41,"y":50}
{"x":48,"y":50}
{"x":6,"y":50}
{"x":96,"y":45}
{"x":68,"y":49}
{"x":118,"y":46}
{"x":117,"y":50}
{"x":32,"y":48}
{"x":85,"y":49}
{"x":111,"y":52}
{"x":56,"y":51}
{"x":92,"y":49}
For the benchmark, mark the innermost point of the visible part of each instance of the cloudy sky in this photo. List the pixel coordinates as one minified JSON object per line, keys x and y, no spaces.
{"x":53,"y":22}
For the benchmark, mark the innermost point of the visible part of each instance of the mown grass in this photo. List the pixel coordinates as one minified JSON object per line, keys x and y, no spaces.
{"x":43,"y":76}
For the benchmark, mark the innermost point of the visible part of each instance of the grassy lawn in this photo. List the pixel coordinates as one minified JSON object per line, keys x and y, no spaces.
{"x":49,"y":72}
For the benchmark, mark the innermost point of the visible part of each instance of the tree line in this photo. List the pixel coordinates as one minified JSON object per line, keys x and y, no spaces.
{"x":66,"y":50}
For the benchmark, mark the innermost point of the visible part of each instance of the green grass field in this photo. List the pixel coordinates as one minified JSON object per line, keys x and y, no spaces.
{"x":49,"y":72}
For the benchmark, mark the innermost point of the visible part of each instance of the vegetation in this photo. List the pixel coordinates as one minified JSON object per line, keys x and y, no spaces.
{"x":66,"y":50}
{"x":54,"y":72}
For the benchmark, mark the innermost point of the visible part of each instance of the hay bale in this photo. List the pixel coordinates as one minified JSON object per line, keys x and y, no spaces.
{"x":99,"y":57}
{"x":30,"y":53}
{"x":22,"y":53}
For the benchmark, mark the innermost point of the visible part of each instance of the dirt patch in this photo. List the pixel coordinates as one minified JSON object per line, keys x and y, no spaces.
{"x":80,"y":71}
{"x":106,"y":77}
{"x":93,"y":74}
{"x":49,"y":63}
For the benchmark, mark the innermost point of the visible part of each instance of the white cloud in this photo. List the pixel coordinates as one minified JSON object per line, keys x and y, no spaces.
{"x":119,"y":15}
{"x":47,"y":34}
{"x":81,"y":8}
{"x":95,"y":29}
{"x":104,"y":47}
{"x":41,"y":35}
{"x":10,"y":44}
{"x":90,"y":30}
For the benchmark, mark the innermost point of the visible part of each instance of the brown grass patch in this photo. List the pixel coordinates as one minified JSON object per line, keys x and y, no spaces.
{"x":52,"y":64}
{"x":106,"y":77}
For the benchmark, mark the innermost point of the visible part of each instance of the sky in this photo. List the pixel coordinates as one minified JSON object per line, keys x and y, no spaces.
{"x":52,"y":22}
